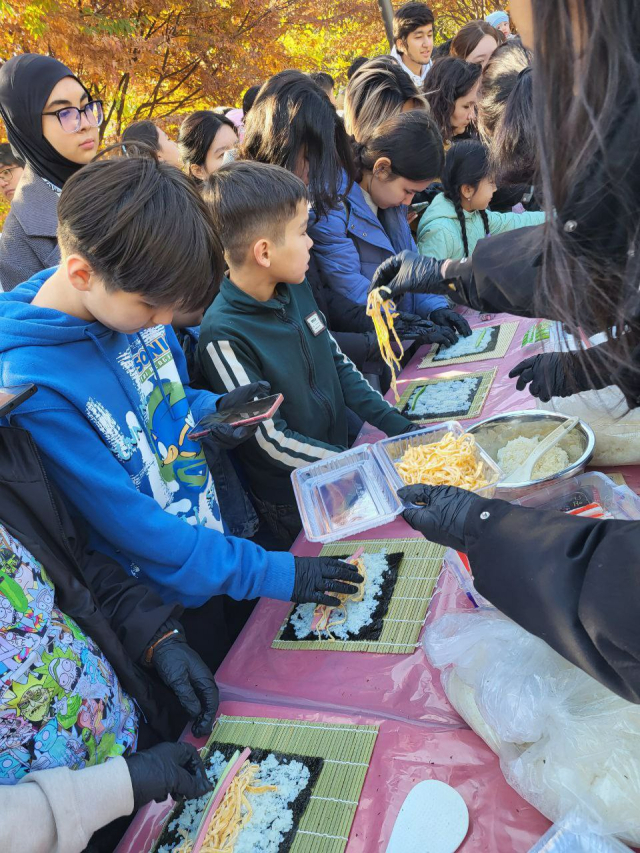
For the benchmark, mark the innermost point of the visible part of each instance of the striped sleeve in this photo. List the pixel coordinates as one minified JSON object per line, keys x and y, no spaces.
{"x":364,"y":400}
{"x":227,"y":366}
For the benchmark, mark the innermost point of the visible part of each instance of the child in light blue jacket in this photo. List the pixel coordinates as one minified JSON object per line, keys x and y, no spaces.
{"x":401,"y":158}
{"x":459,"y":217}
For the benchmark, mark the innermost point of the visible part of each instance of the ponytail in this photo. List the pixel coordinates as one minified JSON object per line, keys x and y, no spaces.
{"x":411,"y":141}
{"x":466,"y":162}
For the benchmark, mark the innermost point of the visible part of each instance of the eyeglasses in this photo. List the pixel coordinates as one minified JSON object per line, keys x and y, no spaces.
{"x":7,"y":174}
{"x":70,"y":118}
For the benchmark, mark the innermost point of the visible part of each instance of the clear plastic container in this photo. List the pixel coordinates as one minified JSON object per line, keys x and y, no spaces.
{"x":391,"y":450}
{"x":592,"y":487}
{"x":344,"y":495}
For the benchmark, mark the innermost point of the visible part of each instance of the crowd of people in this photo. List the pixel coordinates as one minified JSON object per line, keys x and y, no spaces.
{"x":158,"y":281}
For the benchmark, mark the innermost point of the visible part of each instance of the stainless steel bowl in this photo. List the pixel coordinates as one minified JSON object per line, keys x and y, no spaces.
{"x":493,"y":433}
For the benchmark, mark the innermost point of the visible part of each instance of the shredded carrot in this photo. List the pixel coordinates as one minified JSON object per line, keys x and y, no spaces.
{"x":383,"y":314}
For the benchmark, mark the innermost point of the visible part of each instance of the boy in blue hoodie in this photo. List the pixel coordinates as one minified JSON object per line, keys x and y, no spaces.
{"x":114,"y":409}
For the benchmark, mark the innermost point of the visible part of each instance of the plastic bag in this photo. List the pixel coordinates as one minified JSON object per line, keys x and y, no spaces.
{"x":617,"y":430}
{"x":565,"y":742}
{"x":574,"y":836}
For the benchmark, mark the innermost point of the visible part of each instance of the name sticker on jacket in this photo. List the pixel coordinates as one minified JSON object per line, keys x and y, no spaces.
{"x":315,"y":323}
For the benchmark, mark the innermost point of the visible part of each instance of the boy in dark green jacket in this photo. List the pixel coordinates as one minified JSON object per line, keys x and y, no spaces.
{"x":265,"y":325}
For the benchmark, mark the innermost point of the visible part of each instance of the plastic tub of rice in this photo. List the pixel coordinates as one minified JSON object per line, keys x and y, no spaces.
{"x":510,"y":438}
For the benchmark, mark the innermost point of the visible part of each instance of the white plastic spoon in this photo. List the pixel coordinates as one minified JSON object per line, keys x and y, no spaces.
{"x":523,"y":473}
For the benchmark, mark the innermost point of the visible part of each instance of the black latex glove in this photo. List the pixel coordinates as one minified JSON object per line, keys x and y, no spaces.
{"x":226,"y":436}
{"x":448,"y":317}
{"x":440,"y":514}
{"x":546,"y":376}
{"x":186,"y":674}
{"x":408,"y":272}
{"x":317,"y":576}
{"x":411,"y":327}
{"x":168,"y":768}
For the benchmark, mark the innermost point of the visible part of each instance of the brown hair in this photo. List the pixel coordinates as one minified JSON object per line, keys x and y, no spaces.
{"x":470,"y":36}
{"x":144,"y":228}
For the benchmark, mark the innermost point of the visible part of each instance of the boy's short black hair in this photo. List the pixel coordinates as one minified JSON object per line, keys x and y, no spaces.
{"x":144,"y":229}
{"x":249,"y":97}
{"x":410,"y":17}
{"x":8,"y":158}
{"x":251,"y":200}
{"x":323,"y":80}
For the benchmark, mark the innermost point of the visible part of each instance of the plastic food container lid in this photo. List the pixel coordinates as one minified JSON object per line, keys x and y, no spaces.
{"x":345,"y":494}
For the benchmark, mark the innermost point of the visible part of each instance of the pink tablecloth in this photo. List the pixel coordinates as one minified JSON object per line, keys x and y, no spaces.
{"x":404,"y":755}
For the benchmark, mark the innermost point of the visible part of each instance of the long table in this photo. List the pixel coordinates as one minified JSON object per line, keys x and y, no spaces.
{"x":420,"y":734}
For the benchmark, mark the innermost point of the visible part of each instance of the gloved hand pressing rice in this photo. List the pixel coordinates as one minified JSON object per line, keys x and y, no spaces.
{"x":317,"y":577}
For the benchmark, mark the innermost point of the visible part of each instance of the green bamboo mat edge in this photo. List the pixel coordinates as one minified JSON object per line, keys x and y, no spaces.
{"x":506,"y":333}
{"x":346,"y":749}
{"x":477,"y":403}
{"x":409,"y":603}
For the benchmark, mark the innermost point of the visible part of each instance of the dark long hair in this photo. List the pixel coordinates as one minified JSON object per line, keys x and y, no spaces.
{"x":466,"y":162}
{"x":513,"y":148}
{"x":448,"y":80}
{"x":587,"y":117}
{"x":292,"y":118}
{"x":196,"y":135}
{"x":411,"y":141}
{"x":498,"y":81}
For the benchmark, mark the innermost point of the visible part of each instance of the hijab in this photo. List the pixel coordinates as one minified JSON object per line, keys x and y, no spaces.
{"x":26,"y":82}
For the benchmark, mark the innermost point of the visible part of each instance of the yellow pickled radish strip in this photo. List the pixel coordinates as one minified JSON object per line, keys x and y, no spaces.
{"x":383,"y":314}
{"x":449,"y":462}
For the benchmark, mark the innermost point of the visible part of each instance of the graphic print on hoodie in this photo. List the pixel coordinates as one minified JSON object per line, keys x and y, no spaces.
{"x":111,"y":419}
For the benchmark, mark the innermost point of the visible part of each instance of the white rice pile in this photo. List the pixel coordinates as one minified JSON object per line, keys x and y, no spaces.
{"x":517,"y":451}
{"x":478,"y":341}
{"x":359,"y":613}
{"x":451,"y":396}
{"x":271,"y":819}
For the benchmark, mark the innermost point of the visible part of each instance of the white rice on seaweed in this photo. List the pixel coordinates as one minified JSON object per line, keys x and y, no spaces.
{"x":271,"y":819}
{"x":478,"y":341}
{"x":359,"y":613}
{"x":454,"y":395}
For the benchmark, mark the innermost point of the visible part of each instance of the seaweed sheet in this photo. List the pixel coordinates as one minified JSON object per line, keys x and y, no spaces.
{"x":373,"y":630}
{"x":312,"y":763}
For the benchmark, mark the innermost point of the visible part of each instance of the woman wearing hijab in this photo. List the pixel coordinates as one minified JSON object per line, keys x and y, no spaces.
{"x":52,"y":124}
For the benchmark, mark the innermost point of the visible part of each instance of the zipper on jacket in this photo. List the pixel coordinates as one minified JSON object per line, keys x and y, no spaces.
{"x":325,"y":402}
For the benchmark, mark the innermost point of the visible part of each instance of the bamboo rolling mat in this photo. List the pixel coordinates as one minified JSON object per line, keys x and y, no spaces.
{"x":470,"y":410}
{"x":346,"y":751}
{"x":498,"y":349}
{"x":417,"y":574}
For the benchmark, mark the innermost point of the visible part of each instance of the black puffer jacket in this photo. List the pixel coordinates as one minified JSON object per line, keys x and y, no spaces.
{"x":120,"y":614}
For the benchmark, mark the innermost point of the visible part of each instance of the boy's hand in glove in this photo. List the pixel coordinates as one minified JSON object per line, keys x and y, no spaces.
{"x":450,"y":318}
{"x":168,"y":768}
{"x":440,"y":513}
{"x":226,"y":436}
{"x":411,"y":327}
{"x":185,"y":674}
{"x":546,"y":375}
{"x":317,"y":577}
{"x":408,"y":272}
